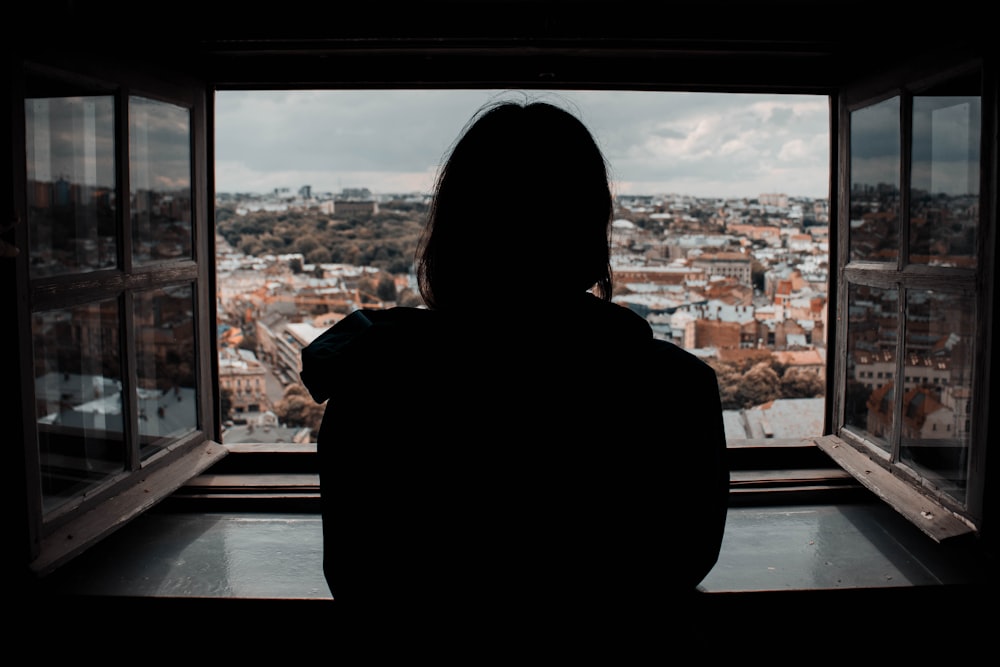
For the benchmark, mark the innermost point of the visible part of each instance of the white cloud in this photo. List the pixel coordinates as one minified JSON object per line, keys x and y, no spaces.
{"x":705,"y":144}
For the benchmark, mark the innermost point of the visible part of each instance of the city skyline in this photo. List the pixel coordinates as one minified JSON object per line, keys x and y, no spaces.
{"x":392,"y":141}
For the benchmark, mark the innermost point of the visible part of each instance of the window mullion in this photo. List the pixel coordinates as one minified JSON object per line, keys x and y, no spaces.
{"x":986,"y":297}
{"x":130,"y":410}
{"x":902,"y":261}
{"x":129,"y":374}
{"x":905,"y":171}
{"x":899,"y":379}
{"x":124,"y":183}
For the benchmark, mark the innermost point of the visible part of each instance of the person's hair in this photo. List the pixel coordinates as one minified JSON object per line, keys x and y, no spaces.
{"x":523,"y":202}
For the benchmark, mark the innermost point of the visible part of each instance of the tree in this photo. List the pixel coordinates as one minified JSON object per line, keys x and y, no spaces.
{"x":319,"y":255}
{"x":795,"y":384}
{"x":273,"y":244}
{"x":386,"y":288}
{"x":249,"y":245}
{"x":410,"y":298}
{"x":759,"y":385}
{"x":729,"y":376}
{"x":305,"y":244}
{"x":297,"y":408}
{"x":747,"y":383}
{"x":367,"y":287}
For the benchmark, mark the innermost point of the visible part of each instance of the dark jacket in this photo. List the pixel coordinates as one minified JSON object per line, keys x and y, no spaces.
{"x":558,"y":454}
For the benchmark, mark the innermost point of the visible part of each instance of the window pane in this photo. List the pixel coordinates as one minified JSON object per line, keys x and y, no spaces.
{"x":71,"y":184}
{"x":166,"y":366}
{"x":871,"y":361}
{"x":160,"y":173}
{"x":874,"y":207}
{"x":935,"y":430}
{"x":78,"y":400}
{"x":945,"y":180}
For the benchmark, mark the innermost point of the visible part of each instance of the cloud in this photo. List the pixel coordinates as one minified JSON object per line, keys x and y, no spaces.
{"x":704,"y":144}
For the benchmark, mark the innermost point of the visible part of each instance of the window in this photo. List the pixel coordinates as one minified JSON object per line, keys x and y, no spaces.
{"x":913,"y":271}
{"x":115,"y":294}
{"x":116,"y":300}
{"x":321,"y":194}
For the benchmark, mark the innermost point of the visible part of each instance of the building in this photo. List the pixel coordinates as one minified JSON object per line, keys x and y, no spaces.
{"x":264,"y":428}
{"x":243,"y":377}
{"x":726,"y":264}
{"x":349,"y":207}
{"x":786,"y":418}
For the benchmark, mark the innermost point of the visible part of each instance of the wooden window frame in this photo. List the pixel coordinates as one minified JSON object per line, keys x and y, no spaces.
{"x":539,"y":47}
{"x":937,"y":514}
{"x":56,"y":536}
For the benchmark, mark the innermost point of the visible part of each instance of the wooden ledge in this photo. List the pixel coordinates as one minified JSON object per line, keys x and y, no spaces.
{"x":923,"y":511}
{"x":81,"y":533}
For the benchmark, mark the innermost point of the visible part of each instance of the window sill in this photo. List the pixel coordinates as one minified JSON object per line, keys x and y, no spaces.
{"x":767,"y":549}
{"x":80,"y":534}
{"x":237,"y":532}
{"x":935,"y":520}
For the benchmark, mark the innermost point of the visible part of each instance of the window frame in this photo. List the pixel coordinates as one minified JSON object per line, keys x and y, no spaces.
{"x":935,"y":512}
{"x":519,"y":51}
{"x":58,"y":535}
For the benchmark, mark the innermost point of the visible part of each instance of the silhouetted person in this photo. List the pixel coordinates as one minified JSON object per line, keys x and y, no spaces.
{"x":522,"y":441}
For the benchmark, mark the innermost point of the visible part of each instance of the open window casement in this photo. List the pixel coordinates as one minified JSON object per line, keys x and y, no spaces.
{"x":115,"y":307}
{"x":915,"y":293}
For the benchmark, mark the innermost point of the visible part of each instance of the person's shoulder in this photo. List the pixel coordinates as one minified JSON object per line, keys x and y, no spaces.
{"x":611,"y":320}
{"x":363,"y":325}
{"x":673,"y":352}
{"x":399,"y":326}
{"x":364,"y":343}
{"x":397,"y":316}
{"x":400,"y":314}
{"x":679,"y":362}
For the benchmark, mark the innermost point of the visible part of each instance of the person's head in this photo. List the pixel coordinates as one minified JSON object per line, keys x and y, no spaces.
{"x":522,"y":207}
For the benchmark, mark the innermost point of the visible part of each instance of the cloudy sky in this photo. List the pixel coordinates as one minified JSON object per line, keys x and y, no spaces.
{"x":701,"y":144}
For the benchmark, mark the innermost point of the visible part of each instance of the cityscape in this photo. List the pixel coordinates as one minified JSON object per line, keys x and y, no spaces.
{"x":740,"y":282}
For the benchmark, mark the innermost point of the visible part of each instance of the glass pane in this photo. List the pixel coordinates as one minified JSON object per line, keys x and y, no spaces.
{"x":874,"y":207}
{"x":160,"y":173}
{"x":871,"y":361}
{"x":71,"y":184}
{"x":936,"y":419}
{"x":78,"y":400}
{"x":945,"y":179}
{"x":165,"y":366}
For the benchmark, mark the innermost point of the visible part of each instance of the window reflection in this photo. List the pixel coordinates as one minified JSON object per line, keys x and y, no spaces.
{"x":71,"y":184}
{"x":166,"y":368}
{"x":945,"y":180}
{"x":78,"y":399}
{"x":160,"y":174}
{"x":871,"y":362}
{"x":875,"y":201}
{"x":935,"y":428}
